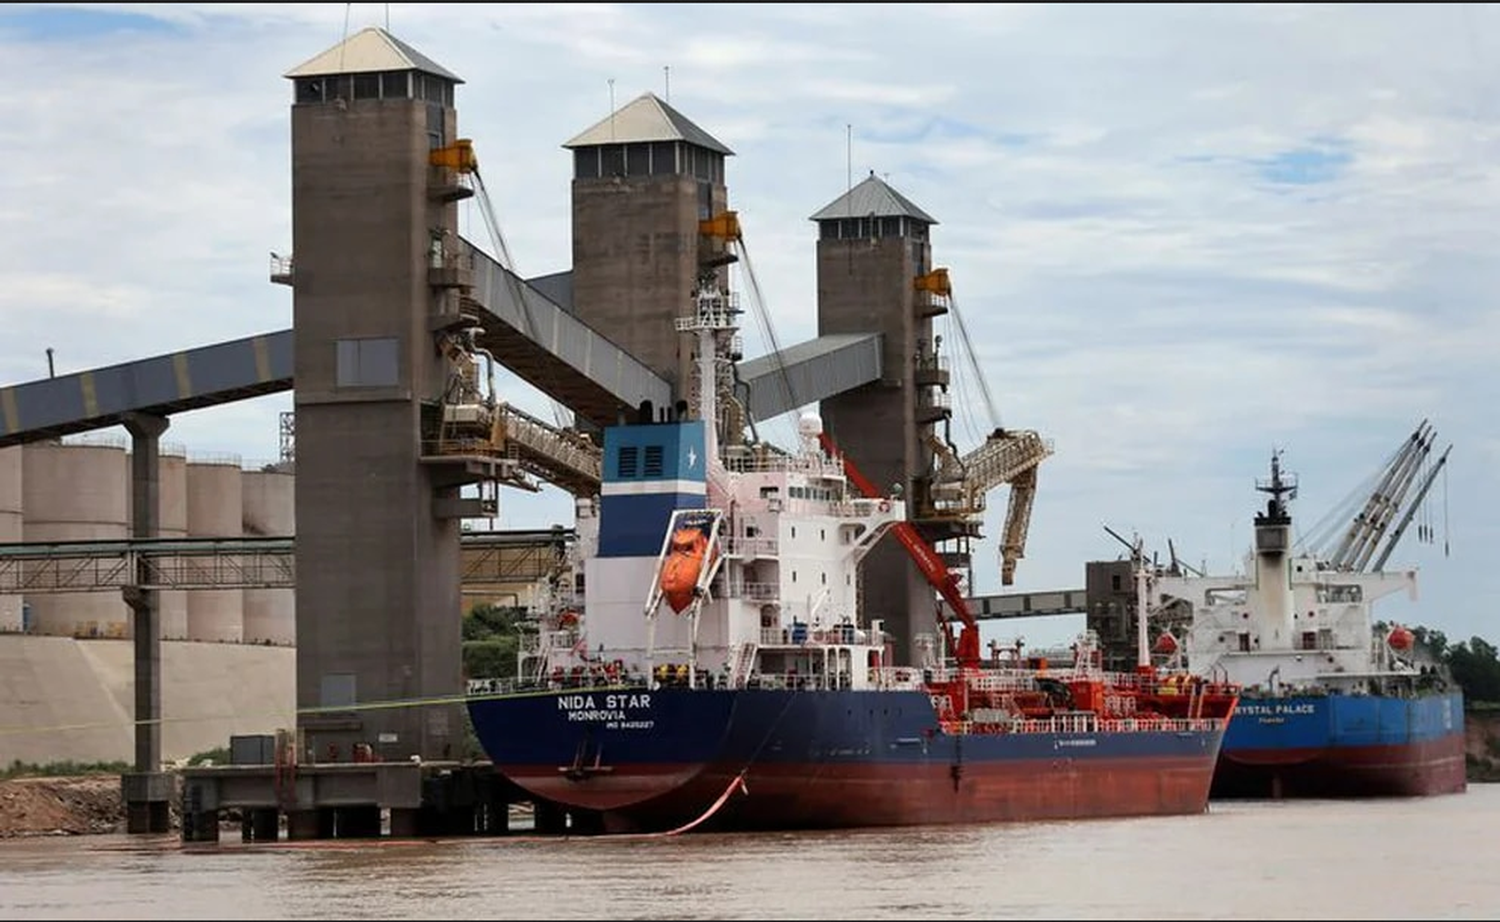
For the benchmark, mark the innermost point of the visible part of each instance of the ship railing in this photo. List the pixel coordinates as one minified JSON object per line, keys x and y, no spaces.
{"x":801,"y":635}
{"x":799,"y":681}
{"x":750,"y":547}
{"x":761,"y":592}
{"x":1003,"y":681}
{"x":775,"y":464}
{"x":1079,"y":724}
{"x":897,"y":677}
{"x":491,"y":687}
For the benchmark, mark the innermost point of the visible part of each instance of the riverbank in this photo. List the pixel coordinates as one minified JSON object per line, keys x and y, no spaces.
{"x":71,"y":805}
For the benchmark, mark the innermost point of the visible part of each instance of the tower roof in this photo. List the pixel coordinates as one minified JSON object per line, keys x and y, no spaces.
{"x":872,"y":197}
{"x":368,"y":50}
{"x":646,"y":118}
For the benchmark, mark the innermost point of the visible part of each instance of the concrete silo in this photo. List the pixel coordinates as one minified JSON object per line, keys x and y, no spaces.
{"x":215,"y":499}
{"x":77,"y":491}
{"x":12,"y":513}
{"x":270,"y":511}
{"x":171,"y":522}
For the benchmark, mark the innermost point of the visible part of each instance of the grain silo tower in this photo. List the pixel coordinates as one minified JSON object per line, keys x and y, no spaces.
{"x":76,"y":491}
{"x":12,"y":514}
{"x":215,"y":503}
{"x":270,"y":512}
{"x":643,"y":179}
{"x":874,"y":250}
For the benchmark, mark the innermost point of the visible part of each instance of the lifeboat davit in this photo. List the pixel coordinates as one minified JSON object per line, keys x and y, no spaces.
{"x":686,"y":556}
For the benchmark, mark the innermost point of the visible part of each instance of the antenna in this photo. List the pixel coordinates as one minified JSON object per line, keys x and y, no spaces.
{"x":611,"y":108}
{"x":849,"y":157}
{"x":666,"y":73}
{"x":345,"y":39}
{"x":387,"y":17}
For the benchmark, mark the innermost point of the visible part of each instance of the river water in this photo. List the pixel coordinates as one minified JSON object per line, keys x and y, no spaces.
{"x":1433,"y":858}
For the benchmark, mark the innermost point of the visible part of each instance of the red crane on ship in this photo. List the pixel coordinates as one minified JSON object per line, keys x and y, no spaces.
{"x":966,"y":648}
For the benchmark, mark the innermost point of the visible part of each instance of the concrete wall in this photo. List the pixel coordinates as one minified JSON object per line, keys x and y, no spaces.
{"x":270,"y":510}
{"x":76,"y":492}
{"x":12,"y":513}
{"x":215,"y":504}
{"x":65,"y":699}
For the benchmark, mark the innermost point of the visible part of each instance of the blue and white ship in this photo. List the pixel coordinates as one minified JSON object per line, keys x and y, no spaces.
{"x":1330,"y":706}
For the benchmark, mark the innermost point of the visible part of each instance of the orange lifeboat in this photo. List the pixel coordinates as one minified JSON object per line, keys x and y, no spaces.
{"x":686,"y":556}
{"x":1400,"y":639}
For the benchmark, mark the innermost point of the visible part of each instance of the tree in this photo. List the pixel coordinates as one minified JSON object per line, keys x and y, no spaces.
{"x":491,"y":638}
{"x":1475,"y":666}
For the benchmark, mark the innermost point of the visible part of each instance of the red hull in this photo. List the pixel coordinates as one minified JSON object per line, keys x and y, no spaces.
{"x":1415,"y":770}
{"x":824,"y":796}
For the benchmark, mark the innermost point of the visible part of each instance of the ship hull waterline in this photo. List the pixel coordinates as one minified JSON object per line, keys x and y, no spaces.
{"x":1336,"y":746}
{"x":826,"y":759}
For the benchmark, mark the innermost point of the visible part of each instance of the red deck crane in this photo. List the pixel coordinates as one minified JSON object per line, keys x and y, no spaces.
{"x":945,"y":581}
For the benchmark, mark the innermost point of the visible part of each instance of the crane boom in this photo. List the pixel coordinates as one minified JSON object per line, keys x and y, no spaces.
{"x":1411,"y":510}
{"x":1397,"y":496}
{"x":1363,"y":527}
{"x":945,"y":581}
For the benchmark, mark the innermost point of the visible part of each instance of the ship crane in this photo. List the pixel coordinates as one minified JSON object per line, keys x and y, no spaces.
{"x":1360,"y":549}
{"x":945,"y":581}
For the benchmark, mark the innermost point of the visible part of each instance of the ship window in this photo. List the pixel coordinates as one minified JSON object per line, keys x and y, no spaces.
{"x":822,"y":534}
{"x":1114,"y":582}
{"x":794,"y":531}
{"x":630,"y":461}
{"x":654,"y":465}
{"x":794,"y":576}
{"x":825,"y":579}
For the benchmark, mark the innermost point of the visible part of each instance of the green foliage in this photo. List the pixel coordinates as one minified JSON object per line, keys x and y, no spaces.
{"x":218,"y":756}
{"x":1476,"y":668}
{"x":1473,"y":664}
{"x":491,"y":637}
{"x":19,"y":769}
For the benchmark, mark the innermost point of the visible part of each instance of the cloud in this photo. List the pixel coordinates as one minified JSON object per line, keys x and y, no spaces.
{"x":1179,"y":235}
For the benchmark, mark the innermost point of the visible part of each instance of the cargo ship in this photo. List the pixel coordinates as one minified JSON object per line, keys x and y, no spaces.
{"x":716,"y":672}
{"x":1331,"y":705}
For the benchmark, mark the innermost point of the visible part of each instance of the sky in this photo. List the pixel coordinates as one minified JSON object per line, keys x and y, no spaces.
{"x":1180,"y":237}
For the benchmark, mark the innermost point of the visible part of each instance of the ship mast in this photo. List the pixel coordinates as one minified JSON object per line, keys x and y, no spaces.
{"x":713,"y":320}
{"x":1273,"y":530}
